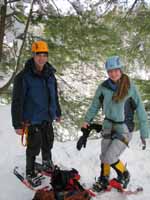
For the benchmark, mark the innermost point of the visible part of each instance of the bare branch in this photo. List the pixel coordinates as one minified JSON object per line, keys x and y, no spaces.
{"x":97,"y":4}
{"x":10,"y":49}
{"x":3,"y":88}
{"x":56,"y":7}
{"x":78,"y":11}
{"x":65,"y":82}
{"x":25,"y":34}
{"x":12,"y":1}
{"x":132,"y":7}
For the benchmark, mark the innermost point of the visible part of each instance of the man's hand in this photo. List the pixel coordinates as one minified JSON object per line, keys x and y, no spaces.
{"x":143,"y":143}
{"x":58,"y":119}
{"x":19,"y":131}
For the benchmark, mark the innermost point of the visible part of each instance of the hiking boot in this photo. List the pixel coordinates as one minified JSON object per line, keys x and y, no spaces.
{"x":124,"y":179}
{"x":48,"y":166}
{"x":33,"y":178}
{"x":101,"y":184}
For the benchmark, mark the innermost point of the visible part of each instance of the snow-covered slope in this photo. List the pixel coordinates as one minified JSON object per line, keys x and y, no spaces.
{"x":86,"y":161}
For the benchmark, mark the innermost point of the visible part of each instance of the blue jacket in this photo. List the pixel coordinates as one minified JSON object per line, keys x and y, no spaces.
{"x":35,"y":97}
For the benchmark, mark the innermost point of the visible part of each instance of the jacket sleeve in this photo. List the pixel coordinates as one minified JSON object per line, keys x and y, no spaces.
{"x":95,"y":106}
{"x":17,"y":102}
{"x":58,"y":111}
{"x":141,"y":114}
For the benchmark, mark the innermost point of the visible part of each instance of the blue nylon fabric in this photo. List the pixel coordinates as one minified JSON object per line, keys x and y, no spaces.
{"x":39,"y":95}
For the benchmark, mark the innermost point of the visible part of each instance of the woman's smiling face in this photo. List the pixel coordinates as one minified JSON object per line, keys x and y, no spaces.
{"x":115,"y":74}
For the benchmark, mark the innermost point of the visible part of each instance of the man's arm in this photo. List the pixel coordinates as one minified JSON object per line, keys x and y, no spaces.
{"x":17,"y":102}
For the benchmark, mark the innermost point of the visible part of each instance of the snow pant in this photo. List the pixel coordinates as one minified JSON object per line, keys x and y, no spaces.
{"x":111,"y":149}
{"x":40,"y":137}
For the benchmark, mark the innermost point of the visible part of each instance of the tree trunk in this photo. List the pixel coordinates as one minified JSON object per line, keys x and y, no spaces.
{"x":3,"y":12}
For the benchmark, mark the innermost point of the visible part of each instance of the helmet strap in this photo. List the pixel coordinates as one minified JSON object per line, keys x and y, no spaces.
{"x":37,"y":53}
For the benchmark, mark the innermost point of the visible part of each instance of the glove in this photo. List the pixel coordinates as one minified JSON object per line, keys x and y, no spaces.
{"x":83,"y":139}
{"x":97,"y":127}
{"x":86,"y":131}
{"x":81,"y":142}
{"x":143,"y":143}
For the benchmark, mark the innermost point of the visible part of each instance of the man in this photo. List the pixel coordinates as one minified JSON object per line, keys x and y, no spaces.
{"x":35,"y":105}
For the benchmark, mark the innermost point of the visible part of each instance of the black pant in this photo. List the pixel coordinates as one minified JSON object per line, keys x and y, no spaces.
{"x":40,"y":137}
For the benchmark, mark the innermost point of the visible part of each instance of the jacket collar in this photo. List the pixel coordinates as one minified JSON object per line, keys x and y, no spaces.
{"x":109,"y":84}
{"x":47,"y":71}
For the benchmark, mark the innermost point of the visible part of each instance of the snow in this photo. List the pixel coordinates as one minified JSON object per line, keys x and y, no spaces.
{"x":82,"y":79}
{"x":85,"y":161}
{"x":4,"y":78}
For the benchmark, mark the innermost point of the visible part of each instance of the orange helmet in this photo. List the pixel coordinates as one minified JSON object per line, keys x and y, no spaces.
{"x":39,"y":46}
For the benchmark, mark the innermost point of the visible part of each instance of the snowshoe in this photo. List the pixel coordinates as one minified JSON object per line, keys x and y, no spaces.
{"x":34,"y":179}
{"x":33,"y":184}
{"x":101,"y":184}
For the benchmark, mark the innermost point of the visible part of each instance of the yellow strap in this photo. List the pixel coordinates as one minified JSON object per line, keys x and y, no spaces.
{"x":120,"y":167}
{"x":106,"y":170}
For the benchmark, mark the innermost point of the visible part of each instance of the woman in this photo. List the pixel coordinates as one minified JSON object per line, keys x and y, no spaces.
{"x":116,"y":135}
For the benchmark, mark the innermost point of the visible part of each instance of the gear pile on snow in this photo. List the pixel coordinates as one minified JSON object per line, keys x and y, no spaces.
{"x":65,"y":186}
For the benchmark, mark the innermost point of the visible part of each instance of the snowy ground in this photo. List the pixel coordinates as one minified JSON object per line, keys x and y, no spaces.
{"x":86,"y":161}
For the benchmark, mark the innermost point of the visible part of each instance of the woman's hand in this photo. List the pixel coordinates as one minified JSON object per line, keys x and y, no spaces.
{"x":143,"y":142}
{"x":85,"y":125}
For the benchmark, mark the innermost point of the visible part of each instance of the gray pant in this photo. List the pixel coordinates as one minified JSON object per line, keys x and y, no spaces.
{"x":111,"y":149}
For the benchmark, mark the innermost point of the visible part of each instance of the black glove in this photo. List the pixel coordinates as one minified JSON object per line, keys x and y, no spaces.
{"x":83,"y":139}
{"x":96,"y":127}
{"x":86,"y":131}
{"x":81,"y":142}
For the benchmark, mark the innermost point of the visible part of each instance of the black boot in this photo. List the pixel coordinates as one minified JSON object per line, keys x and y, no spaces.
{"x":33,"y":178}
{"x":48,"y":166}
{"x":101,"y":184}
{"x":123,"y":175}
{"x":30,"y":160}
{"x":124,"y":179}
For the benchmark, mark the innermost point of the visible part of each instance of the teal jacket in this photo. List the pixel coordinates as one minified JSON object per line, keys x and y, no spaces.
{"x":115,"y":110}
